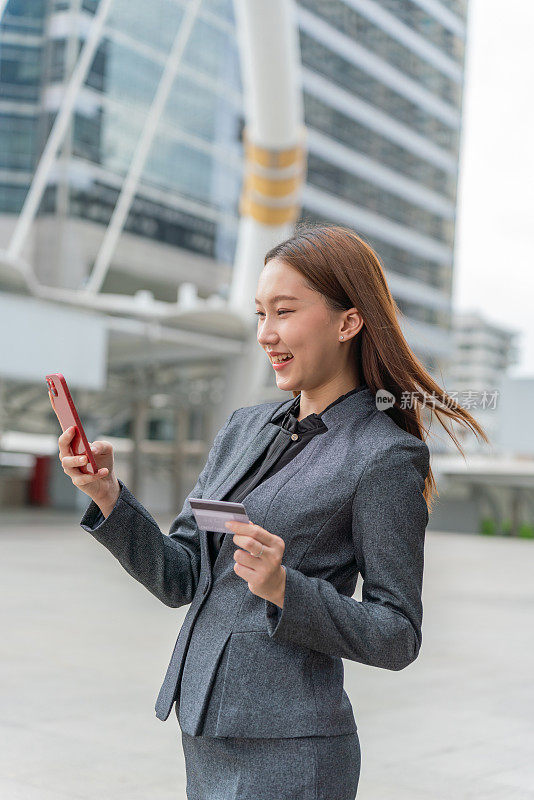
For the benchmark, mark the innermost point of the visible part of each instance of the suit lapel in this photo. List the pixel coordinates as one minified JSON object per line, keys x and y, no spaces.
{"x":260,"y":442}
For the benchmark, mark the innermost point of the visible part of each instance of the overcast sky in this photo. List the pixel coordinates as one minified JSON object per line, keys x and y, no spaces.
{"x":494,"y":269}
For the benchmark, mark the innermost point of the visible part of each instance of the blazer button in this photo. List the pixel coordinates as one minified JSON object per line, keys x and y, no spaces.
{"x":294,"y":436}
{"x":206,"y":586}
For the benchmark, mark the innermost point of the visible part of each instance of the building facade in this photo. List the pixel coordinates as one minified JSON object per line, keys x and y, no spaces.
{"x":483,"y":353}
{"x":186,"y":200}
{"x":382,"y":86}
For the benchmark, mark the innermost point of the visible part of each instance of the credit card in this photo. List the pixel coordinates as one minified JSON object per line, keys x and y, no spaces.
{"x":212,"y":514}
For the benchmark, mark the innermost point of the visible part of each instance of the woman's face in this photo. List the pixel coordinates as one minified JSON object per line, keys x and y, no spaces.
{"x":303,"y":325}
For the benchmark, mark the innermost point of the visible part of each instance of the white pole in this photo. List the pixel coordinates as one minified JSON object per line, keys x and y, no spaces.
{"x":270,"y":70}
{"x":274,"y":168}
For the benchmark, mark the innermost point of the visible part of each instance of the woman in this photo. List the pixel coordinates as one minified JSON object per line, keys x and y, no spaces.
{"x":336,"y":482}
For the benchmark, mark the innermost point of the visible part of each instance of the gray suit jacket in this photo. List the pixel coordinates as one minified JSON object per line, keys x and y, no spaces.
{"x":351,"y":502}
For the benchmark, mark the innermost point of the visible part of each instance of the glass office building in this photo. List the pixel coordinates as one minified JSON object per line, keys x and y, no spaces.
{"x":382,"y":86}
{"x":383,"y":94}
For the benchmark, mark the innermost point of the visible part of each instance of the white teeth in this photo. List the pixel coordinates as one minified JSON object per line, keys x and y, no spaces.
{"x":279,"y":359}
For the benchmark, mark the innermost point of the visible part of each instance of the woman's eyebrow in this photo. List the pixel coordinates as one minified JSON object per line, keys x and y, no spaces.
{"x":276,"y":298}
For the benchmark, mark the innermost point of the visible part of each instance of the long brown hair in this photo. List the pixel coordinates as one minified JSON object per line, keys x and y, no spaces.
{"x":339,"y":264}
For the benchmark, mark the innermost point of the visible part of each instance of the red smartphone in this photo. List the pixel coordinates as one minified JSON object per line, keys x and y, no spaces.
{"x":63,"y":405}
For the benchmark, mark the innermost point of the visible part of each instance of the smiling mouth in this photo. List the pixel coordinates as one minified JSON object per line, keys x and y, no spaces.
{"x":281,"y":359}
{"x":279,"y":365}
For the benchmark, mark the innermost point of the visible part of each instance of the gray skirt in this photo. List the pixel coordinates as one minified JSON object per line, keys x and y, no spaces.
{"x":298,"y":768}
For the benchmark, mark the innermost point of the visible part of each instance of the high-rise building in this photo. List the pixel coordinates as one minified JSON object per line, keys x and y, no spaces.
{"x":382,"y":95}
{"x":482,"y":354}
{"x":185,"y":208}
{"x":382,"y":85}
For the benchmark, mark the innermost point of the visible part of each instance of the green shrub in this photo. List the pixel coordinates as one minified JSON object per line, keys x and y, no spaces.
{"x":488,"y":526}
{"x":526,"y":531}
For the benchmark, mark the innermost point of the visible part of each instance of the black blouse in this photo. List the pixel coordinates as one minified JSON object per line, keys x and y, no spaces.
{"x":293,"y":437}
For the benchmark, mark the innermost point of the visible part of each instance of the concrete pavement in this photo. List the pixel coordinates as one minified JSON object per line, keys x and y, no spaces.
{"x":85,"y":648}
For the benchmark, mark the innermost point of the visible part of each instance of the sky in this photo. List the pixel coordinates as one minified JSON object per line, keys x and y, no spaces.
{"x":494,"y":247}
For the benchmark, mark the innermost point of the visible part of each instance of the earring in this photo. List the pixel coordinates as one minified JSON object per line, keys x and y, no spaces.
{"x":341,"y":337}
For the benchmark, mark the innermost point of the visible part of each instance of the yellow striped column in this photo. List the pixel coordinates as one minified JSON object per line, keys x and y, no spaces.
{"x":272,"y":185}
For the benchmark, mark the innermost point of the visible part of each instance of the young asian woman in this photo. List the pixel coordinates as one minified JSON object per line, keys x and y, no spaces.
{"x":336,"y":485}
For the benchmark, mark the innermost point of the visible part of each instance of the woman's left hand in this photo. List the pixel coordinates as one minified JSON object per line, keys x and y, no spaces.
{"x":266,"y":576}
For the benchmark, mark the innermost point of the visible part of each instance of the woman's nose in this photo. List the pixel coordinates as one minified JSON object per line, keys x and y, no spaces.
{"x":268,"y":335}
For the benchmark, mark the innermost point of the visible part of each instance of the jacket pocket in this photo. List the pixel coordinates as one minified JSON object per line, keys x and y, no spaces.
{"x":267,"y":689}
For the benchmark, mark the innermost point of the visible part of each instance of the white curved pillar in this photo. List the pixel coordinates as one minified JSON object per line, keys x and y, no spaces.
{"x":275,"y":165}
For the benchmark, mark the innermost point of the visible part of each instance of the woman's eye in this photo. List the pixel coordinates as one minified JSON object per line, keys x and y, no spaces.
{"x":260,"y":313}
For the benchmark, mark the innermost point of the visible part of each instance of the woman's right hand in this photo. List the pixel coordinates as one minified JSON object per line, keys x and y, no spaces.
{"x":103,"y":486}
